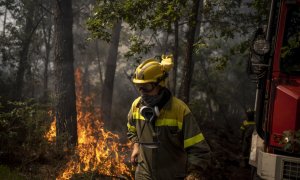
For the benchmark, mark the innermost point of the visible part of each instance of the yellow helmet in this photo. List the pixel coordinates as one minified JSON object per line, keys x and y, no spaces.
{"x":151,"y":71}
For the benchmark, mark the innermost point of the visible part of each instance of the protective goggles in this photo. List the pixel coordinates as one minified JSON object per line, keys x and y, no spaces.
{"x":145,"y":87}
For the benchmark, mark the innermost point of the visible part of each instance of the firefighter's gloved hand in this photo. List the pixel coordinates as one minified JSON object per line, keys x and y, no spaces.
{"x":193,"y":176}
{"x":134,"y":154}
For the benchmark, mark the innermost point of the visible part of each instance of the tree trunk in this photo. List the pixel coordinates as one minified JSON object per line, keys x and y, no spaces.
{"x":4,"y":21}
{"x":199,"y":20}
{"x":47,"y":35}
{"x":46,"y":65}
{"x":25,"y":43}
{"x":3,"y":51}
{"x":188,"y":66}
{"x":108,"y":86}
{"x":66,"y":115}
{"x":99,"y":63}
{"x":175,"y":56}
{"x":86,"y":80}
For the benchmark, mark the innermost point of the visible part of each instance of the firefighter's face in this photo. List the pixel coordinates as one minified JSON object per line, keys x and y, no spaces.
{"x":147,"y":88}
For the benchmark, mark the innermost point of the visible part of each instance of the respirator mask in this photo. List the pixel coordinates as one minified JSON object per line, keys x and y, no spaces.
{"x":150,"y":113}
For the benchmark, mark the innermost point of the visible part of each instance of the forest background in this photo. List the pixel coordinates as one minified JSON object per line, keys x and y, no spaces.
{"x":72,"y":60}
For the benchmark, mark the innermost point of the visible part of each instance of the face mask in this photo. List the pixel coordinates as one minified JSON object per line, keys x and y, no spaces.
{"x":149,"y":100}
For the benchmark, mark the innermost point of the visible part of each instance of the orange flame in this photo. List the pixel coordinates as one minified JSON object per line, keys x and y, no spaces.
{"x":50,"y":135}
{"x":98,"y":150}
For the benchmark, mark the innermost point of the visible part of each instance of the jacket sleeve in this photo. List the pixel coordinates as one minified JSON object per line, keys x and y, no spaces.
{"x":242,"y":130}
{"x":131,"y":127}
{"x":198,"y":151}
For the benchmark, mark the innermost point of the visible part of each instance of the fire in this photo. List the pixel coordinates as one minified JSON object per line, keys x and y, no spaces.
{"x":98,"y":150}
{"x":50,"y":135}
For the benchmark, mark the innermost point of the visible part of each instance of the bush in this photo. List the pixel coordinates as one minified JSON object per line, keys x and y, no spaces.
{"x":22,"y":129}
{"x":6,"y":173}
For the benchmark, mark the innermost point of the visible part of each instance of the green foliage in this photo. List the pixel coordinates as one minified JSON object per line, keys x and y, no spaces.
{"x":291,"y":141}
{"x":261,"y":11}
{"x":293,"y":43}
{"x":155,"y":15}
{"x":221,"y":19}
{"x":224,"y":18}
{"x":220,"y":62}
{"x":229,"y":21}
{"x":139,"y":15}
{"x":240,"y":48}
{"x":22,"y":129}
{"x":137,"y":47}
{"x":104,"y":16}
{"x":136,"y":13}
{"x":6,"y":173}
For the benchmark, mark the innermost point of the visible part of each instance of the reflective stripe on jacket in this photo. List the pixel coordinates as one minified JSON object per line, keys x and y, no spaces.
{"x":246,"y":123}
{"x":181,"y":145}
{"x":247,"y":129}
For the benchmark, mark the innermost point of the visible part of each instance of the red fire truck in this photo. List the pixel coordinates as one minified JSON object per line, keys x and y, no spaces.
{"x":275,"y":66}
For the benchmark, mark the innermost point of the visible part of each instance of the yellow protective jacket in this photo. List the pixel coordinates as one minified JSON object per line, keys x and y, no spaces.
{"x":247,"y":129}
{"x":181,"y":145}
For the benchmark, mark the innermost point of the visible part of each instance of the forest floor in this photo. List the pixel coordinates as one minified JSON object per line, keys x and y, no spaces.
{"x":45,"y":168}
{"x":48,"y":172}
{"x":226,"y":162}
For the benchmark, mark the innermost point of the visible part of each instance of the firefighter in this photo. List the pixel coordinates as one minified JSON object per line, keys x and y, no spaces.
{"x":247,"y":129}
{"x":167,"y":141}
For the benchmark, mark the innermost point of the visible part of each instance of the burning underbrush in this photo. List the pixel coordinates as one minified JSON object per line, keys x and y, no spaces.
{"x":99,"y":152}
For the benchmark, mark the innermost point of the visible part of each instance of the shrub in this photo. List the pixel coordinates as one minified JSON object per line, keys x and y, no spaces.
{"x":22,"y":129}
